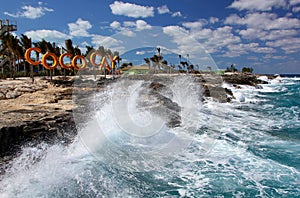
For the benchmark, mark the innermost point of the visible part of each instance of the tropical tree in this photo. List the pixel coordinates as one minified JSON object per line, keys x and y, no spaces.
{"x":232,"y":68}
{"x":247,"y":70}
{"x":158,"y":50}
{"x":89,"y":50}
{"x":155,"y":62}
{"x":164,"y":64}
{"x":43,"y":45}
{"x":25,"y":43}
{"x":69,"y":46}
{"x":147,"y":62}
{"x":11,"y":42}
{"x":179,"y":58}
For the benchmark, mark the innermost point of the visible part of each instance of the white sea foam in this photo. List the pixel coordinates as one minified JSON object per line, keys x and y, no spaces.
{"x":220,"y":160}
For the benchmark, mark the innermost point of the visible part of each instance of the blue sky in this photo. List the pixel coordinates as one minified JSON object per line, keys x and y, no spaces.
{"x":262,"y":34}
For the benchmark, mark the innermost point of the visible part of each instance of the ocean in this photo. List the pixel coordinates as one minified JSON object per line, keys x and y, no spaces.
{"x":246,"y":148}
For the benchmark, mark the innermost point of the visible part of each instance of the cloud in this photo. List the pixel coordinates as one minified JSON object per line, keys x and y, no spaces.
{"x":128,"y":33}
{"x":213,"y":20}
{"x":177,"y":14}
{"x":252,"y":33}
{"x":79,"y":28}
{"x":221,"y":38}
{"x":30,"y":12}
{"x":289,"y":45}
{"x":195,"y":25}
{"x":140,"y":52}
{"x":142,"y":25}
{"x":163,"y":9}
{"x":129,"y":23}
{"x":126,"y":29}
{"x":108,"y":42}
{"x":266,"y":21}
{"x":235,"y":50}
{"x":294,"y":2}
{"x":131,"y":10}
{"x":214,"y":40}
{"x":115,"y":25}
{"x":296,"y":9}
{"x":257,"y":5}
{"x":48,"y":35}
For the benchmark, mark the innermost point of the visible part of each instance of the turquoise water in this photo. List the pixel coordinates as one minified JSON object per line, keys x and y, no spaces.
{"x":247,"y":148}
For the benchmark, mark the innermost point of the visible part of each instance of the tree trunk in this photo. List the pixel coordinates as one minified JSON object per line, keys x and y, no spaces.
{"x":94,"y":72}
{"x":65,"y":75}
{"x":14,"y":68}
{"x":31,"y":73}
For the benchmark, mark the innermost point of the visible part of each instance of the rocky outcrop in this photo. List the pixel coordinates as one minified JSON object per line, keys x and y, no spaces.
{"x":34,"y":112}
{"x":43,"y":111}
{"x":50,"y":129}
{"x":243,"y":79}
{"x":159,"y":102}
{"x":11,"y":91}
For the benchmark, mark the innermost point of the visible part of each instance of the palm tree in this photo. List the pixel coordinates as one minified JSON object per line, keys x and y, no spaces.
{"x":43,"y":47}
{"x":158,"y":50}
{"x":89,"y":50}
{"x":11,"y":42}
{"x":147,"y":62}
{"x":69,"y":46}
{"x":164,"y":64}
{"x":26,"y":43}
{"x":155,"y":62}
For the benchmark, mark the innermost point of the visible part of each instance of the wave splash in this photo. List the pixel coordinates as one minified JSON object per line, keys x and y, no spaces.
{"x":232,"y":149}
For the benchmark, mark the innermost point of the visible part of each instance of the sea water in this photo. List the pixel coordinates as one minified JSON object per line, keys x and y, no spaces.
{"x":246,"y":148}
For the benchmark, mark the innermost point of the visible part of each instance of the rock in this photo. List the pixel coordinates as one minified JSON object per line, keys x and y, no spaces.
{"x":24,"y":89}
{"x":243,"y":79}
{"x":2,"y":96}
{"x":4,"y":89}
{"x":159,"y":103}
{"x":12,"y":94}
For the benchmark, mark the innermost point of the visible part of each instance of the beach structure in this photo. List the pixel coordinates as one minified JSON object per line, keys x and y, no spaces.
{"x":5,"y":28}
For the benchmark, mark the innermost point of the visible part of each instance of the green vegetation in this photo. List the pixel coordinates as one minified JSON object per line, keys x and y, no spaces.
{"x":13,"y":63}
{"x":247,"y":70}
{"x":232,"y":68}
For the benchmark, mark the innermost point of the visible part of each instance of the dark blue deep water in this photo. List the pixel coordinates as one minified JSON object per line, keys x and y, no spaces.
{"x":247,"y":148}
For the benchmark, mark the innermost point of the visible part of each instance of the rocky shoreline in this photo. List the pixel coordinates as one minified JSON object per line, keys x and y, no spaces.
{"x":43,"y":111}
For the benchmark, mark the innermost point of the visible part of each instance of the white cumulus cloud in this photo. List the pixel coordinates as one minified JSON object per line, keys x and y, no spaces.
{"x":115,"y":25}
{"x":195,"y":24}
{"x":289,"y":45}
{"x":177,"y":14}
{"x":131,"y":10}
{"x":48,"y":35}
{"x":30,"y":12}
{"x":129,"y":26}
{"x":266,"y":21}
{"x":294,"y":2}
{"x":79,"y":28}
{"x":142,"y":25}
{"x":163,"y":9}
{"x":259,"y":5}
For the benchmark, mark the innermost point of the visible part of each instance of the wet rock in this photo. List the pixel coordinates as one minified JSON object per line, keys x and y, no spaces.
{"x":159,"y":102}
{"x":243,"y":79}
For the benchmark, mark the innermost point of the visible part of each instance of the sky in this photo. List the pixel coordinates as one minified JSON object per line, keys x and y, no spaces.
{"x":262,"y":34}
